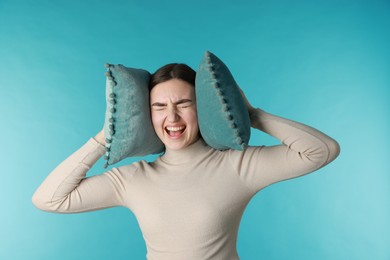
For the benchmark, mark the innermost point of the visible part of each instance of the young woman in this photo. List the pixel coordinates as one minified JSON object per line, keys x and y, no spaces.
{"x":188,"y":202}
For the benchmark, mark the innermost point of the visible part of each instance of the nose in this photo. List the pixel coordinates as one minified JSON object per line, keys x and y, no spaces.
{"x":172,"y":115}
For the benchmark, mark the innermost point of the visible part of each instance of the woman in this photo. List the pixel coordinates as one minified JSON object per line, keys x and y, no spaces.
{"x":188,"y":202}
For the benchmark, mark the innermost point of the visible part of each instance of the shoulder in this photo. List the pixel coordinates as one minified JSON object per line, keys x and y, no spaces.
{"x":129,"y":174}
{"x":135,"y":167}
{"x":248,"y":151}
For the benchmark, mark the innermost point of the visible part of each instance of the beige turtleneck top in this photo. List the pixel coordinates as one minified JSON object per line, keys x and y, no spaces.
{"x":188,"y":203}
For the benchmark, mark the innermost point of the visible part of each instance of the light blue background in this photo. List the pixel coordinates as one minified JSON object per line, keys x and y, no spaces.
{"x":324,"y":63}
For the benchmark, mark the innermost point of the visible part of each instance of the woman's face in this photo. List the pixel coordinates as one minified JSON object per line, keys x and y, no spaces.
{"x":173,"y":110}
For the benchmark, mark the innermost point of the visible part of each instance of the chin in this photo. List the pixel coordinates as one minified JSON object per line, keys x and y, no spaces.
{"x":179,"y":145}
{"x":176,"y":146}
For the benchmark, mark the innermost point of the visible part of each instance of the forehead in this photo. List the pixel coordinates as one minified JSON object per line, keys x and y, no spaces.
{"x":173,"y":89}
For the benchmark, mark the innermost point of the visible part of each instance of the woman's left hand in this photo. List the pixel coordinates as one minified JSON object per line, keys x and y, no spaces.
{"x":248,"y":105}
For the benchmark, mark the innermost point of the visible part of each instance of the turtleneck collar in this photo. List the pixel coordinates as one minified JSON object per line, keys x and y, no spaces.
{"x":187,"y":154}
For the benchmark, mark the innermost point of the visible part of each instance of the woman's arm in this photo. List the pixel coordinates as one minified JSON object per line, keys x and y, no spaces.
{"x":99,"y":137}
{"x":67,"y":190}
{"x":303,"y":150}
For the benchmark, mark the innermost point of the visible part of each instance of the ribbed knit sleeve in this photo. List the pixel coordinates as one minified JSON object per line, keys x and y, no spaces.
{"x":67,"y":189}
{"x":303,"y":150}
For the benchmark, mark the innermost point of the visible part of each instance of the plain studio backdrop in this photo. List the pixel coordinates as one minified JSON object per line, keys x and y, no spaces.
{"x":323,"y":63}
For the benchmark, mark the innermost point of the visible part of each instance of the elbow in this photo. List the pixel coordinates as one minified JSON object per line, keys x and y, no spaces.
{"x":333,"y":150}
{"x":329,"y":152}
{"x":46,"y":203}
{"x":39,"y":202}
{"x":42,"y":203}
{"x":323,"y":154}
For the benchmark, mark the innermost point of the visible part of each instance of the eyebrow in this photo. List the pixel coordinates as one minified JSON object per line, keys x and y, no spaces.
{"x":181,"y":101}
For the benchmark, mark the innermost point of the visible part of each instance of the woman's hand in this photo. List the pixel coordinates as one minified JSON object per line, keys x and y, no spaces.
{"x":248,"y":105}
{"x":99,"y":137}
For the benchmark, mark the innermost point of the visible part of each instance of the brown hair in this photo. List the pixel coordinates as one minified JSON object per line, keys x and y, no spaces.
{"x":173,"y":71}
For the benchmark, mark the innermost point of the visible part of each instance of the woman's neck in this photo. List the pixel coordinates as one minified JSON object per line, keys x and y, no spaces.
{"x":186,"y":154}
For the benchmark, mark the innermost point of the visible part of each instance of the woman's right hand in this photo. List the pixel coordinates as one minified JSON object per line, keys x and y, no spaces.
{"x":99,"y":137}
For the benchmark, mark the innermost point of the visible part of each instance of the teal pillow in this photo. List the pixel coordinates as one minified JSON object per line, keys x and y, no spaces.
{"x":222,"y":113}
{"x":128,"y":128}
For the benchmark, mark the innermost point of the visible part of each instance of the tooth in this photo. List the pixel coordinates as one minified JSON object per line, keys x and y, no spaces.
{"x":177,"y":128}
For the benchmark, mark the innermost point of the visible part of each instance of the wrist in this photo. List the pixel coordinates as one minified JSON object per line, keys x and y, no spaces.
{"x":100,"y":138}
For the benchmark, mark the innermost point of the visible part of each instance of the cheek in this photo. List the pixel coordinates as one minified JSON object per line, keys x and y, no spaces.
{"x":192,"y":118}
{"x":156,"y":120}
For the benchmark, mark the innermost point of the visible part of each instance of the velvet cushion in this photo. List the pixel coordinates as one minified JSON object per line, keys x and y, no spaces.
{"x":222,"y":113}
{"x":128,"y":126}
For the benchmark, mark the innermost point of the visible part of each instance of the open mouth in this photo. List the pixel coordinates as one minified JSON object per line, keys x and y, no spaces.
{"x":175,"y":131}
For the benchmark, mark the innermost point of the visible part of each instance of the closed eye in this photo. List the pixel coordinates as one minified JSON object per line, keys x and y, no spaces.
{"x":159,"y":106}
{"x":183,"y":103}
{"x":185,"y":106}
